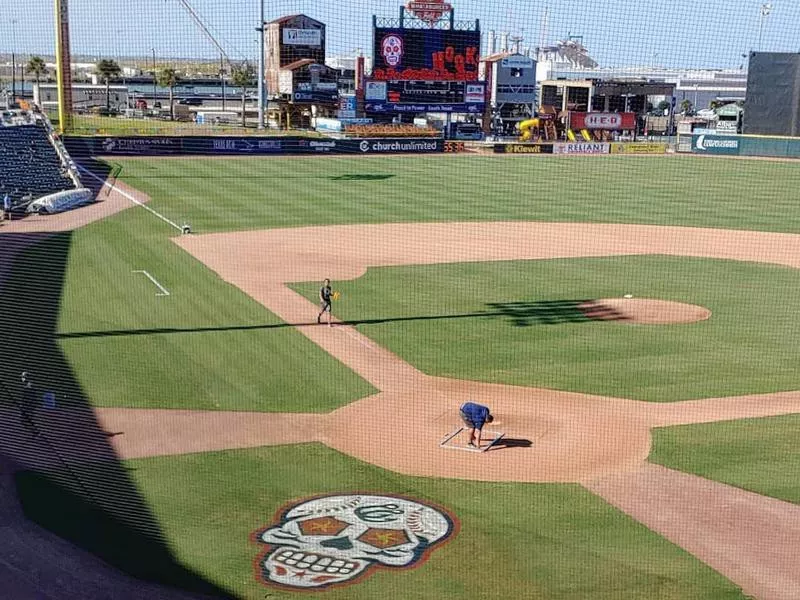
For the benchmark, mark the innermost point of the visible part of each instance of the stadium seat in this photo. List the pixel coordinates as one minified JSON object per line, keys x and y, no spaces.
{"x":29,"y":165}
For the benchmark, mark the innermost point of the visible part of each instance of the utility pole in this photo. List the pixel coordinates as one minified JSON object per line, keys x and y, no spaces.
{"x":260,"y":30}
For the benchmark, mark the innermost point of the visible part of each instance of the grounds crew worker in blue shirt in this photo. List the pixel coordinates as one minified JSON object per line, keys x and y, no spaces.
{"x":474,"y":416}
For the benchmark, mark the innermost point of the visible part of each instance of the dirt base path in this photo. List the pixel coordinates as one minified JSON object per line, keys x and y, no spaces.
{"x":752,"y":539}
{"x":110,"y":201}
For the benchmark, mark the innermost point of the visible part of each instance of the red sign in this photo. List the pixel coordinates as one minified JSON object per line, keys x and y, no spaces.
{"x":429,"y":11}
{"x":609,"y":121}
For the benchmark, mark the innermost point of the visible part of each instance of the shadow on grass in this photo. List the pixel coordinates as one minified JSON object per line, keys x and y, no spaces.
{"x":68,"y":477}
{"x":360,"y":177}
{"x":217,"y":176}
{"x":519,"y":314}
{"x":103,"y":171}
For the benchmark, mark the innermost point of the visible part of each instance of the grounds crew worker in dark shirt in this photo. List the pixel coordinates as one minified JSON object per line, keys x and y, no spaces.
{"x":325,"y":294}
{"x":474,"y":416}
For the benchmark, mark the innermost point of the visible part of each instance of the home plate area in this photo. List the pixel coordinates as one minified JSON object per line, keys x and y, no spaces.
{"x":459,"y":440}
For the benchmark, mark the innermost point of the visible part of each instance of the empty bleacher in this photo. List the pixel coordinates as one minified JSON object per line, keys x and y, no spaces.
{"x":30,"y":167}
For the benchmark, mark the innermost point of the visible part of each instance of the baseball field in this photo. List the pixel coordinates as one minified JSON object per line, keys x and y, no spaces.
{"x":630,"y":321}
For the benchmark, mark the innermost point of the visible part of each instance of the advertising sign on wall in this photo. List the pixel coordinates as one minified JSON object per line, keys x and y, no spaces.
{"x":388,"y":107}
{"x":517,"y":62}
{"x":320,"y":96}
{"x":148,"y":145}
{"x":638,"y":148}
{"x":285,"y":82}
{"x":302,"y":37}
{"x":728,"y":127}
{"x":375,"y":90}
{"x":230,"y":145}
{"x":609,"y":121}
{"x":392,"y":145}
{"x":347,"y":107}
{"x":475,"y":93}
{"x":426,"y":54}
{"x":523,"y":148}
{"x":715,"y":144}
{"x":581,"y":148}
{"x":429,"y":11}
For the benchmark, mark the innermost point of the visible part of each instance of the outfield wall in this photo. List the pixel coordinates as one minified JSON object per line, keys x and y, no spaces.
{"x":241,"y":146}
{"x":581,"y":148}
{"x":744,"y":145}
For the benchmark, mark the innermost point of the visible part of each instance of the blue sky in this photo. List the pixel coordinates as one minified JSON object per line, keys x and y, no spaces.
{"x":616,"y":32}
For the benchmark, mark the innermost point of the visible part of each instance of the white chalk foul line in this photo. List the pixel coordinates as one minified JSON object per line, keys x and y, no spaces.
{"x":164,"y":291}
{"x":131,"y":198}
{"x":357,"y":337}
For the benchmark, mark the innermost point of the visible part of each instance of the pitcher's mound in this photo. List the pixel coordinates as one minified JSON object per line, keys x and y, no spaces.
{"x":643,"y":311}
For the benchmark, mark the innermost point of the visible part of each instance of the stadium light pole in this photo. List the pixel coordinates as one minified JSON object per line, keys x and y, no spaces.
{"x":766,"y":9}
{"x":154,"y":77}
{"x":13,"y":59}
{"x":260,"y":30}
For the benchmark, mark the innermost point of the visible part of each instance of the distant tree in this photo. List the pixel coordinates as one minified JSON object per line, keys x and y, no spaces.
{"x":107,"y":70}
{"x":686,"y":106}
{"x":663,"y":106}
{"x":36,"y":67}
{"x":169,"y":78}
{"x":243,"y":76}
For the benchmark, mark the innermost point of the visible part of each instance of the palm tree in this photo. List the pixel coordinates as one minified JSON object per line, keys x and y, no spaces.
{"x":107,"y":69}
{"x":169,"y":78}
{"x":242,"y":76}
{"x":37,"y":67}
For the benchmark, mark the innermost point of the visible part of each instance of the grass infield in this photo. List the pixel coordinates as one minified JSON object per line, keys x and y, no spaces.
{"x":518,"y":323}
{"x":531,"y":541}
{"x":760,"y":455}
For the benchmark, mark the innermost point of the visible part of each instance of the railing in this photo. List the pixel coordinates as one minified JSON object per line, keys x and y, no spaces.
{"x":61,"y":151}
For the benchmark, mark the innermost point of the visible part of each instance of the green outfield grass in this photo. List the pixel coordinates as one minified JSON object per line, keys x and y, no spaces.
{"x":760,"y":455}
{"x":206,"y":346}
{"x":517,"y":541}
{"x":518,"y":323}
{"x":254,"y":193}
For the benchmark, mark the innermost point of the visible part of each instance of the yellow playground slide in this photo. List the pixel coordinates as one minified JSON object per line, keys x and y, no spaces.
{"x":525,"y":129}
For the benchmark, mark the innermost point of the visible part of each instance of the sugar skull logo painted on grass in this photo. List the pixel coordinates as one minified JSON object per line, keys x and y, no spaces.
{"x":336,"y":540}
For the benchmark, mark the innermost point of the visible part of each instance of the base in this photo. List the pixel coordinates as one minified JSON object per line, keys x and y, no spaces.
{"x":445,"y":443}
